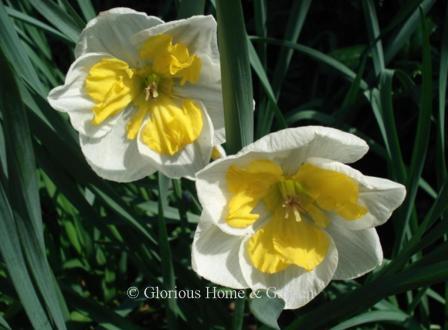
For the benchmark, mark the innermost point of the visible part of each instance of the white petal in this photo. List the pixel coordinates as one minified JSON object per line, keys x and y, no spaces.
{"x":294,"y":285}
{"x":359,"y":251}
{"x":211,"y":186}
{"x":212,"y":190}
{"x":115,"y":157}
{"x":380,"y":196}
{"x":293,"y":145}
{"x":199,"y":34}
{"x":72,"y":99}
{"x":215,"y":256}
{"x":111,"y":32}
{"x":190,"y":159}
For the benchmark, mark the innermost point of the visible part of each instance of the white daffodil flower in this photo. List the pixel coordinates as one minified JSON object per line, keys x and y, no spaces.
{"x":287,"y":213}
{"x":144,"y":95}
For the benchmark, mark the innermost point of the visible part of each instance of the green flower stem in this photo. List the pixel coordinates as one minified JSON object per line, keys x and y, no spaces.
{"x":177,"y":185}
{"x":169,"y":282}
{"x":238,"y":316}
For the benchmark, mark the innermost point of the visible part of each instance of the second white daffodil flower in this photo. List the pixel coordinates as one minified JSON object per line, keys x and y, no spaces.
{"x":144,"y":95}
{"x":287,"y":213}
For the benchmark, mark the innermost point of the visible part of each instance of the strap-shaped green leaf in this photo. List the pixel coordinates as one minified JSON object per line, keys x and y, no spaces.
{"x":23,"y":194}
{"x":235,"y":75}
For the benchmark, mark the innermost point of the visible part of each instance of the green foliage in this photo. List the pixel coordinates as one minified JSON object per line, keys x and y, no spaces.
{"x":71,"y":244}
{"x":235,"y":71}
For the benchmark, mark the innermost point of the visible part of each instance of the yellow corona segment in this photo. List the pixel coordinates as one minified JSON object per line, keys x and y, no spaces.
{"x":112,"y":85}
{"x":167,"y":123}
{"x":262,"y":253}
{"x":247,"y":186}
{"x":298,"y":208}
{"x":171,"y":60}
{"x":332,"y":191}
{"x":172,"y":126}
{"x":216,"y":154}
{"x":284,"y":242}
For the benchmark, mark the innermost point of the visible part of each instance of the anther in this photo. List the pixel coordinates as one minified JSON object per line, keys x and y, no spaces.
{"x":152,"y":84}
{"x":292,"y":205}
{"x":151,"y":91}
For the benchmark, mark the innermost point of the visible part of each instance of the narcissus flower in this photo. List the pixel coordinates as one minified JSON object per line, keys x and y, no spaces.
{"x":288,"y":213}
{"x":144,"y":95}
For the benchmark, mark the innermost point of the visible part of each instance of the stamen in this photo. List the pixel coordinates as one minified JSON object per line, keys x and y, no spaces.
{"x":151,"y":91}
{"x":152,"y":84}
{"x":292,"y":205}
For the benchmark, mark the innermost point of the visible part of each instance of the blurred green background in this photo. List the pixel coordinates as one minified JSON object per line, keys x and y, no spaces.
{"x":71,"y":244}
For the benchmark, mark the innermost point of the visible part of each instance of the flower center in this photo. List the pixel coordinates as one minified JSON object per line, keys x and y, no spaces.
{"x":292,"y":204}
{"x":166,"y":121}
{"x":152,"y":86}
{"x":310,"y":197}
